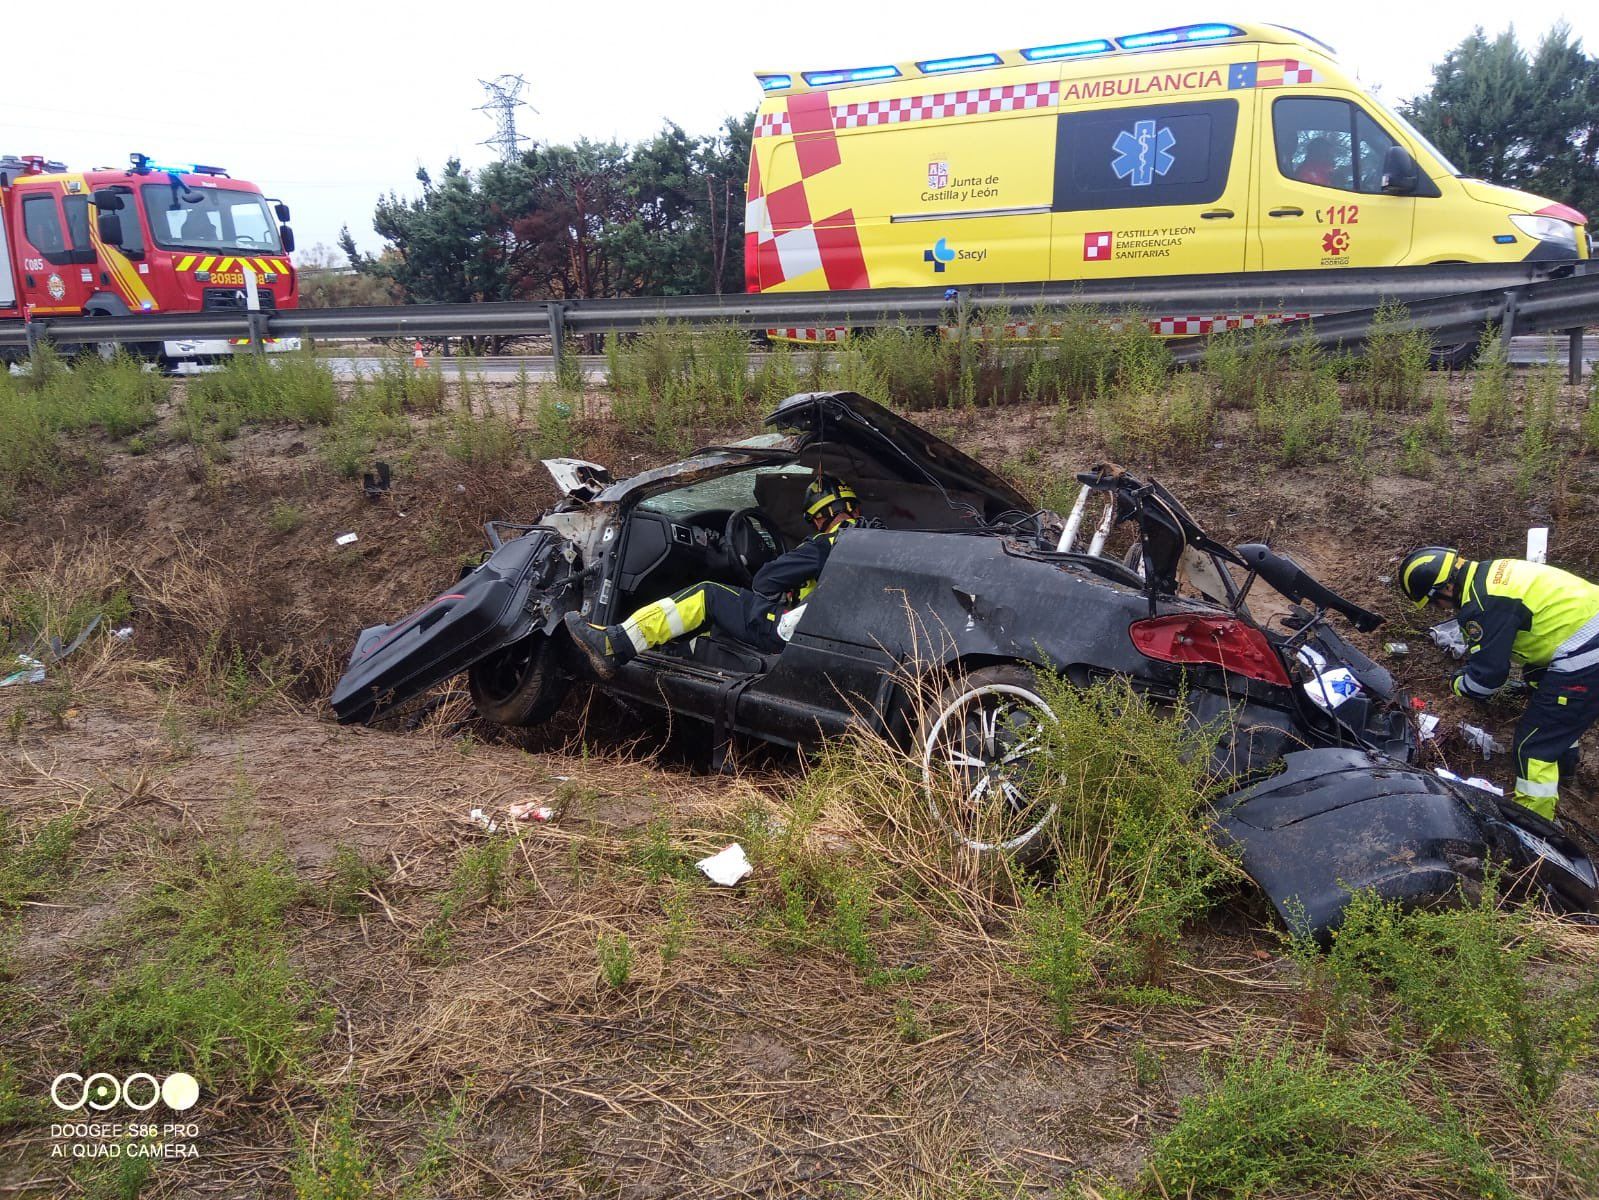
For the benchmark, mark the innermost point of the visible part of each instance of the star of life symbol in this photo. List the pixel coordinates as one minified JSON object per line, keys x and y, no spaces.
{"x":1143,"y":153}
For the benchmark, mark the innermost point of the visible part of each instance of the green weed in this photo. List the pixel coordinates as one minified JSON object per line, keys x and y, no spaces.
{"x":679,"y":923}
{"x":40,"y":409}
{"x":1127,"y":781}
{"x":35,"y":863}
{"x":211,"y":989}
{"x":351,"y":875}
{"x":658,"y":856}
{"x":1460,"y":975}
{"x":251,"y":389}
{"x":1303,"y":411}
{"x":1245,"y":367}
{"x":284,"y":517}
{"x":370,"y":418}
{"x":1279,"y":1120}
{"x":1488,"y":409}
{"x":1393,"y":370}
{"x":334,"y":1162}
{"x":1057,"y":949}
{"x":616,"y":959}
{"x":1536,"y":455}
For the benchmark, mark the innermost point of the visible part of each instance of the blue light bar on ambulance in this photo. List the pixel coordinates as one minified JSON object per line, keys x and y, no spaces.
{"x":856,"y":75}
{"x":776,"y":83}
{"x":1178,"y":35}
{"x":968,"y":62}
{"x":1067,"y":50}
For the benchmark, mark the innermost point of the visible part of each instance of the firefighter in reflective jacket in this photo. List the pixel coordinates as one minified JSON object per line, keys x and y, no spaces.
{"x":1540,"y":616}
{"x":752,"y":616}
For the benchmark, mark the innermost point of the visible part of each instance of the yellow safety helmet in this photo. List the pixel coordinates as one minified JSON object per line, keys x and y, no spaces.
{"x":827,"y":496}
{"x":1426,"y":570}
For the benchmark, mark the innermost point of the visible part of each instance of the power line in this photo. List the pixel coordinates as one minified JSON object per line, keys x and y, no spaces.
{"x":504,"y":95}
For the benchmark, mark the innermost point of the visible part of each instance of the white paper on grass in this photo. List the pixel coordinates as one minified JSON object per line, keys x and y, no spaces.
{"x":1332,"y":688}
{"x":727,"y":866}
{"x":1428,"y":724}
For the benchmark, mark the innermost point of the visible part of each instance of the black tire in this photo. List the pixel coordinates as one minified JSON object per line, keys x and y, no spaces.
{"x":520,"y":685}
{"x":963,"y":764}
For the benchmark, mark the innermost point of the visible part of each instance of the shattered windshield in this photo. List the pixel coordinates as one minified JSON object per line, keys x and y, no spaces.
{"x":723,"y":492}
{"x":210,"y":219}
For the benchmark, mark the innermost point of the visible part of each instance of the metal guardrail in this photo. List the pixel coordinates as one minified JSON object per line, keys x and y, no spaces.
{"x":1453,"y":302}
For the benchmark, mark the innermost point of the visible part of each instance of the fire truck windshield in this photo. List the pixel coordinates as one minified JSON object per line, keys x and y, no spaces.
{"x":210,"y":219}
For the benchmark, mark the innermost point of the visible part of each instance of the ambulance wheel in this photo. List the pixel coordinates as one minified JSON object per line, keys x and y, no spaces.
{"x":520,"y":685}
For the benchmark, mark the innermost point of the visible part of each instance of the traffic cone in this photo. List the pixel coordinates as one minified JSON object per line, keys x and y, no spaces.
{"x":418,"y":359}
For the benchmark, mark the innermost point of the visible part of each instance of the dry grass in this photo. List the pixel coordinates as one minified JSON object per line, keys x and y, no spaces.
{"x":855,"y":1020}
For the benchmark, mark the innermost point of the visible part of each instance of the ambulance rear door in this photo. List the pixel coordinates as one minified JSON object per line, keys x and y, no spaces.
{"x":1154,"y":188}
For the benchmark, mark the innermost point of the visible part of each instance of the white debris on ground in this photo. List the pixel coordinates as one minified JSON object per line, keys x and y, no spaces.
{"x":727,"y":866}
{"x":1332,"y":688}
{"x":1447,"y":638}
{"x":1475,"y":781}
{"x":1480,"y":740}
{"x":28,"y":670}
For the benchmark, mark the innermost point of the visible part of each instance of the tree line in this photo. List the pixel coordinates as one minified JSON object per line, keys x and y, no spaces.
{"x":666,"y":216}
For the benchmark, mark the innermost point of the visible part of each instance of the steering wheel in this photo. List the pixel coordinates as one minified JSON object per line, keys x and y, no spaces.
{"x":752,"y":541}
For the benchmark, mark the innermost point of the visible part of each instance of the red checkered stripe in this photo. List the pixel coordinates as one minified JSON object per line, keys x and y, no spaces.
{"x":1162,"y":326}
{"x":832,"y":334}
{"x":971,"y":103}
{"x":947,"y":104}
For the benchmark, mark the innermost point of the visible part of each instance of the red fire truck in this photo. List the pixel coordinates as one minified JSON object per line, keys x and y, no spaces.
{"x":152,"y":238}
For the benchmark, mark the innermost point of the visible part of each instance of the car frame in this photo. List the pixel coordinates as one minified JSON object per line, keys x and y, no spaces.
{"x":930,"y":625}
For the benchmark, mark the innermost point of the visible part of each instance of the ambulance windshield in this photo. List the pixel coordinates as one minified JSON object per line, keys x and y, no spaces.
{"x":210,"y":219}
{"x":1399,"y":119}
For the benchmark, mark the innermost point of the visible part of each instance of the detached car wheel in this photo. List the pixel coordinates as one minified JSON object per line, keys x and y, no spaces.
{"x":521,"y":685}
{"x":978,"y":739}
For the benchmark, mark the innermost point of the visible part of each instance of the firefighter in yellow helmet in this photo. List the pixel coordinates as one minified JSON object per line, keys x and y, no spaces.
{"x":752,"y":616}
{"x":1540,"y":616}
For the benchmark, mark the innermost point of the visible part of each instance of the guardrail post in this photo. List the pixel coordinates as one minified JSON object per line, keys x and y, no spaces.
{"x":31,"y":328}
{"x":557,"y":312}
{"x":1574,"y":355}
{"x":1507,"y":323}
{"x":258,"y":331}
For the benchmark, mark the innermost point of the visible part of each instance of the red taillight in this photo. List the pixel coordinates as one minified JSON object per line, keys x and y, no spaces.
{"x":1225,"y":642}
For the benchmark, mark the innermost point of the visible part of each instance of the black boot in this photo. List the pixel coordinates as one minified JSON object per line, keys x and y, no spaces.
{"x":607,"y":647}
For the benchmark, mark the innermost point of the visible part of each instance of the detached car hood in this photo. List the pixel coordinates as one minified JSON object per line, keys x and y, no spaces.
{"x":853,"y":420}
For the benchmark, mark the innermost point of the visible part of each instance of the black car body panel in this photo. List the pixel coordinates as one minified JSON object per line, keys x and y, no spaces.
{"x":489,"y":608}
{"x":1336,"y":821}
{"x":954,"y":572}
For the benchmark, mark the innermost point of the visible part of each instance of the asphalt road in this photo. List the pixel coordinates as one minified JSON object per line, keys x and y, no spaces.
{"x":1524,"y":351}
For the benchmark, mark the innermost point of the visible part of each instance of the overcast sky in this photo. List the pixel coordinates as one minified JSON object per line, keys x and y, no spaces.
{"x":330,"y":105}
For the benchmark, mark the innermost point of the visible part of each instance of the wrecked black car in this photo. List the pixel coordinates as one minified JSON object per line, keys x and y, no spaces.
{"x":928,"y":624}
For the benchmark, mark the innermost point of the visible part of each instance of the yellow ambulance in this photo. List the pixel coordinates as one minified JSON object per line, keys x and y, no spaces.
{"x":1202,"y":148}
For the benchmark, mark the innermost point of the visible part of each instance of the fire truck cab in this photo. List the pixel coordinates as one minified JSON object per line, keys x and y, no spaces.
{"x":151,"y":238}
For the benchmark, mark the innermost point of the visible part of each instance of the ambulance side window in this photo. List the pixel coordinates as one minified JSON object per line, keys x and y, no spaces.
{"x":77,"y":208}
{"x":41,"y":223}
{"x":1145,"y":156}
{"x":1329,"y":143}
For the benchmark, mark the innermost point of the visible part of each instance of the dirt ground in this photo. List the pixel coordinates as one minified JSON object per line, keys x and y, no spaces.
{"x":730,"y":1063}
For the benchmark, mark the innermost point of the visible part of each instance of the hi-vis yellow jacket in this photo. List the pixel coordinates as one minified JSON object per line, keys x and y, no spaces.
{"x":1527,"y":612}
